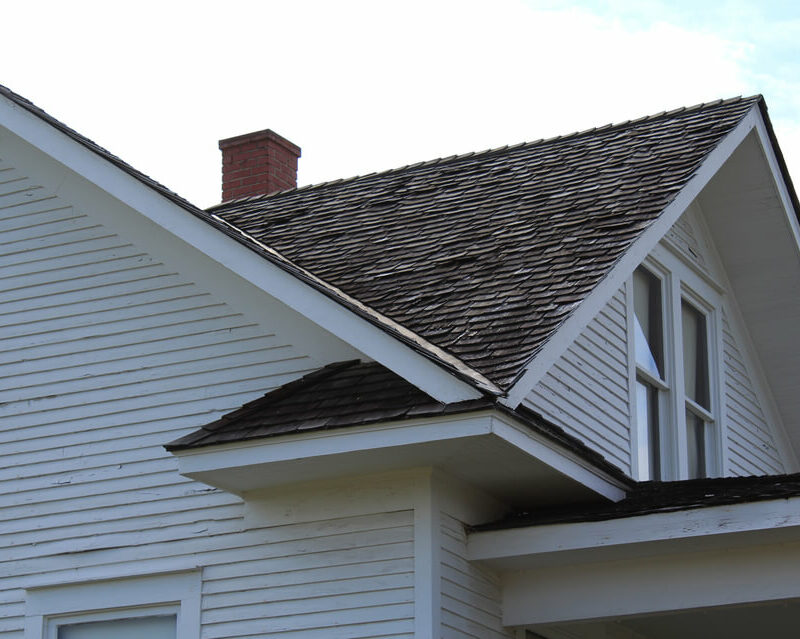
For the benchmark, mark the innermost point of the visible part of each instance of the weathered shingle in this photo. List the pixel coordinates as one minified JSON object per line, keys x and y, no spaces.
{"x":483,"y":255}
{"x":486,"y":255}
{"x":341,"y":394}
{"x":650,"y":497}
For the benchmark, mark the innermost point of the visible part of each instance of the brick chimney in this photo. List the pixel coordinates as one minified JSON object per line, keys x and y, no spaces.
{"x":257,"y":164}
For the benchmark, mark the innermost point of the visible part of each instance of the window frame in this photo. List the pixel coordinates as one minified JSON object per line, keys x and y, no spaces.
{"x":663,"y":386}
{"x":681,"y":282}
{"x":48,"y":607}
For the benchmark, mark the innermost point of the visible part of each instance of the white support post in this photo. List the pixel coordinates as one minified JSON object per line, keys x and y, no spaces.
{"x":427,"y":559}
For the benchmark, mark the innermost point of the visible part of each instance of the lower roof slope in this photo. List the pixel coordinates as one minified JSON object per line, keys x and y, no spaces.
{"x":355,"y":393}
{"x":486,"y":255}
{"x":341,"y":394}
{"x":650,"y":497}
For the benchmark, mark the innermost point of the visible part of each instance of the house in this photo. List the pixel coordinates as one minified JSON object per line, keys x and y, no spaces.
{"x":541,"y":391}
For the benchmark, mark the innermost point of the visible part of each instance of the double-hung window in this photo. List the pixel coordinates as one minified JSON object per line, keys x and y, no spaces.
{"x":676,"y":406}
{"x":651,"y":384}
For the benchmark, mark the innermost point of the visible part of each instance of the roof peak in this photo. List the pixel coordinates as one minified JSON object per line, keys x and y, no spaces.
{"x":568,"y":137}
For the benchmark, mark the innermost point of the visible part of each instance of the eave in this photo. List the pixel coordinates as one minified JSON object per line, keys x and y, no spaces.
{"x":487,"y":448}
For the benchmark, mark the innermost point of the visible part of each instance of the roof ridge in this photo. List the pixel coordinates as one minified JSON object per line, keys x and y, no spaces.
{"x":612,"y":126}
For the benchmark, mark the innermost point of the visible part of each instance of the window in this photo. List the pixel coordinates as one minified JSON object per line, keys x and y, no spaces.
{"x":135,"y":624}
{"x":673,"y":380}
{"x":157,"y":607}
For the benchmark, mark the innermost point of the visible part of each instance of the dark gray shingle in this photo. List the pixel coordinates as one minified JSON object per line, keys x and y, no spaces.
{"x":486,"y":255}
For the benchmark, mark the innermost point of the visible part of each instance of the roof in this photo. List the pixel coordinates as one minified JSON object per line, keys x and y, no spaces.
{"x":474,"y":261}
{"x":443,"y":359}
{"x":355,"y":393}
{"x":341,"y":394}
{"x":486,"y":255}
{"x":651,"y":497}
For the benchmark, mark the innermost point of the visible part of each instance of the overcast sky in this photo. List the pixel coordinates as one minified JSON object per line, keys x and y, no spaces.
{"x":367,"y":86}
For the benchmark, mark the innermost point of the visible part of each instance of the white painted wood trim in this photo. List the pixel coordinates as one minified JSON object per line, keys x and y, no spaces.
{"x":323,"y":443}
{"x":427,"y":559}
{"x":594,"y":302}
{"x":640,"y":460}
{"x":303,"y":298}
{"x":665,"y":583}
{"x":292,"y":447}
{"x":783,"y":191}
{"x":181,"y":589}
{"x":538,"y":541}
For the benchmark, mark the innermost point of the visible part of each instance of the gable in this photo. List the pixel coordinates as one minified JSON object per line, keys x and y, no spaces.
{"x":588,"y":390}
{"x":487,"y":255}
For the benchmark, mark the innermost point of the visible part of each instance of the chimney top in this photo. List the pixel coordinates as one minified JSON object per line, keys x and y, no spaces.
{"x":257,"y":163}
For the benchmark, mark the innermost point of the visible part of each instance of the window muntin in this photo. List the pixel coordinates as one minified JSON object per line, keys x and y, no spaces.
{"x":648,"y":418}
{"x":695,"y":355}
{"x":673,"y":379}
{"x":649,"y":324}
{"x":651,"y":385}
{"x":697,"y":395}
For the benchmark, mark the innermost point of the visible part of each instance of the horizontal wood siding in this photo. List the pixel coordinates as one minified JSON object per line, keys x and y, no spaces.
{"x":586,"y":391}
{"x":471,"y":597}
{"x":106,"y":354}
{"x":683,"y":237}
{"x":751,"y":447}
{"x":356,"y":574}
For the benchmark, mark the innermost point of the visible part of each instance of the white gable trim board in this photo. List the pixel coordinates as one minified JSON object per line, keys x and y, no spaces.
{"x":700,"y":528}
{"x":616,"y":278}
{"x":87,"y":167}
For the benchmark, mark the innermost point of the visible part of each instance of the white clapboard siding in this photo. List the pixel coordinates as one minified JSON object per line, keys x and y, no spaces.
{"x":355,"y":572}
{"x":106,"y":354}
{"x":586,"y":390}
{"x":471,"y":595}
{"x":751,"y":446}
{"x":684,"y":237}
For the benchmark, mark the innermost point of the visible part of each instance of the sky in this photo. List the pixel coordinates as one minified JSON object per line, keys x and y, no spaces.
{"x":368,"y":86}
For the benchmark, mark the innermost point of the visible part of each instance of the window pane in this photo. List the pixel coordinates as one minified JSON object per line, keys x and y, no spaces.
{"x":649,"y":339}
{"x":696,"y":441}
{"x":647,"y":415}
{"x":133,"y":628}
{"x":695,"y":355}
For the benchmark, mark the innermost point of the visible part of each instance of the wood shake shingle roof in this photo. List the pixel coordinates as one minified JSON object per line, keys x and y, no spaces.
{"x":355,"y":393}
{"x":476,"y":260}
{"x":485,"y":255}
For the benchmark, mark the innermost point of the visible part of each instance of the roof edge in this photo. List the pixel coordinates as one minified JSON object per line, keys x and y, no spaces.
{"x":488,"y":152}
{"x":540,"y":361}
{"x":446,"y":362}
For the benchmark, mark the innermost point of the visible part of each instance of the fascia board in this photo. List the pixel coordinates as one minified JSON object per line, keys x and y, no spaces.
{"x":569,"y":331}
{"x":321,"y":444}
{"x":535,"y":543}
{"x":323,"y":310}
{"x":297,"y":446}
{"x":777,"y":175}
